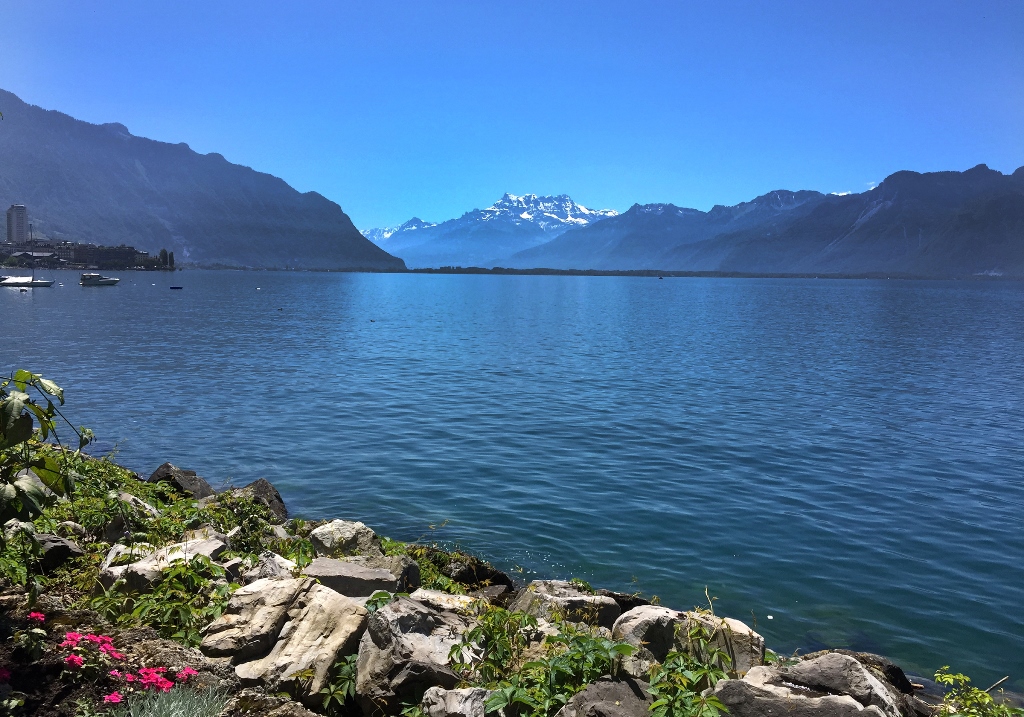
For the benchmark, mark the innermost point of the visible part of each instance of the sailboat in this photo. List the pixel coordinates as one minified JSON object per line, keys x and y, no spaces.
{"x":27,"y":282}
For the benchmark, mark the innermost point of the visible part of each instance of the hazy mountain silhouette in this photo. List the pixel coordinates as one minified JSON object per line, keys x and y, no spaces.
{"x":486,"y":237}
{"x":101,"y":184}
{"x":937,"y":224}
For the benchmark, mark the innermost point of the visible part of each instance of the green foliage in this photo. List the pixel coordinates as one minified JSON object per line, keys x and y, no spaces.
{"x":432,"y":561}
{"x":341,"y":686}
{"x":678,"y":683}
{"x":189,"y":595}
{"x":252,"y":519}
{"x":29,"y":477}
{"x":378,"y":600}
{"x":179,"y":702}
{"x":494,"y":655}
{"x":494,"y":648}
{"x":964,"y":700}
{"x":298,"y":550}
{"x":582,"y":585}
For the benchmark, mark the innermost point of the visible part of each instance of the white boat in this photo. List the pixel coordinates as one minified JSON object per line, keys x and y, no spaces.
{"x":97,"y":280}
{"x":25,"y":282}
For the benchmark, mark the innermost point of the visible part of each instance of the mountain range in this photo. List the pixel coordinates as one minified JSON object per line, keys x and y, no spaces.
{"x":101,"y":184}
{"x":486,"y":237}
{"x":939,"y":224}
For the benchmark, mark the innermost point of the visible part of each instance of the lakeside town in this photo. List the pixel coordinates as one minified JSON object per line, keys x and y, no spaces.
{"x":22,"y":250}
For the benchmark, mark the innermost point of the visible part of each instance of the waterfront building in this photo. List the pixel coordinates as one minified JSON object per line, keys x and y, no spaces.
{"x":17,"y":224}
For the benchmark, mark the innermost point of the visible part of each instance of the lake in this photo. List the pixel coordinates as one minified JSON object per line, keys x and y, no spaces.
{"x":839,"y":461}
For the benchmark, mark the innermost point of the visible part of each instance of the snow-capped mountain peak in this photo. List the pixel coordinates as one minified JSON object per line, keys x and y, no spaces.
{"x":379,"y":235}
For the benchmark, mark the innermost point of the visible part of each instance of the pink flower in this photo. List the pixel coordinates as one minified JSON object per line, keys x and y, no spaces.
{"x":75,"y":660}
{"x":151,"y":678}
{"x":113,"y":698}
{"x":114,"y":673}
{"x":71,"y":639}
{"x":185,"y":673}
{"x":130,"y":677}
{"x":108,"y":649}
{"x":37,"y":617}
{"x":5,"y":674}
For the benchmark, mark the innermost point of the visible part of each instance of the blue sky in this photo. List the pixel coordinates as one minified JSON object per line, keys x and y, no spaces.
{"x":395,"y":109}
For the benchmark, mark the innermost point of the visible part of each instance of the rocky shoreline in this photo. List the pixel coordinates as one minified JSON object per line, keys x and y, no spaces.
{"x":297,"y":618}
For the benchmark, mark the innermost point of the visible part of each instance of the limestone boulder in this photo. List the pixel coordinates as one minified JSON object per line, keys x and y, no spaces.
{"x":253,"y":701}
{"x":610,"y":698}
{"x":269,"y":565}
{"x":839,"y":674}
{"x":322,"y":626}
{"x":140,"y":576}
{"x":465,"y":702}
{"x":547,"y":598}
{"x":744,"y":699}
{"x":339,"y":538}
{"x":273,"y":629}
{"x":404,"y":652}
{"x":445,"y":601}
{"x":263,"y":492}
{"x":55,"y":551}
{"x":181,"y":480}
{"x":655,"y":631}
{"x":360,"y":577}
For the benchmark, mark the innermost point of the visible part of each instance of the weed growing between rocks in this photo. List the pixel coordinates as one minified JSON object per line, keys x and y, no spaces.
{"x":965,"y":700}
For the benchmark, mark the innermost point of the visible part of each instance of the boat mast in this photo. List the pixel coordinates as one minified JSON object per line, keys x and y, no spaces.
{"x":32,"y":248}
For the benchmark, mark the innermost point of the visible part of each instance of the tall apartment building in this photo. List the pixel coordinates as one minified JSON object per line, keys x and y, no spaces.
{"x":17,"y":224}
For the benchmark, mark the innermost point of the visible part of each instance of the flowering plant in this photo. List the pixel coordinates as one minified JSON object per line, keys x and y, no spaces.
{"x":89,"y":655}
{"x":31,"y":640}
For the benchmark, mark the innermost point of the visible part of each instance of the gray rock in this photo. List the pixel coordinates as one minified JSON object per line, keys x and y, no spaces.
{"x":547,"y":598}
{"x":253,"y":701}
{"x":55,"y":551}
{"x":141,"y":575}
{"x":204,"y":532}
{"x":322,"y":626}
{"x":610,"y":698}
{"x":494,"y":594}
{"x":626,"y":601}
{"x":183,"y":481}
{"x":405,"y":651}
{"x":233,"y":569}
{"x":465,"y":702}
{"x":132,"y":553}
{"x":280,"y":532}
{"x":352,"y":578}
{"x":342,"y":537}
{"x":270,"y":565}
{"x":69,"y":528}
{"x":263,"y":492}
{"x":655,"y":631}
{"x":743,"y":699}
{"x":253,"y":620}
{"x":445,"y":601}
{"x":842,"y":675}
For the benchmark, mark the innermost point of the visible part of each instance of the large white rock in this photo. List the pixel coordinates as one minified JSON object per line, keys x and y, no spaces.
{"x":269,"y":565}
{"x":273,"y":629}
{"x":743,"y":699}
{"x":655,"y":631}
{"x":446,"y":601}
{"x":547,"y":598}
{"x":405,"y":651}
{"x":465,"y":702}
{"x":344,"y":537}
{"x":141,"y":575}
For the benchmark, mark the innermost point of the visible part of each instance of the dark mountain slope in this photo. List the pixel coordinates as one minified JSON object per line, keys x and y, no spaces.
{"x":101,"y":184}
{"x":640,"y":237}
{"x":941,"y":224}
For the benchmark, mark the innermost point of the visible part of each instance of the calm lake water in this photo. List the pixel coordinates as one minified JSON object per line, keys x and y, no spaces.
{"x":842,"y":456}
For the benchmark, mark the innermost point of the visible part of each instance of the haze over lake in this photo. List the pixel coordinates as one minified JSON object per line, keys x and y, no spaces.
{"x":843,"y":456}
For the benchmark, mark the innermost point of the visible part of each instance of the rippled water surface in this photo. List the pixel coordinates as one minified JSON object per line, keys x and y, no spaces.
{"x":843,"y":456}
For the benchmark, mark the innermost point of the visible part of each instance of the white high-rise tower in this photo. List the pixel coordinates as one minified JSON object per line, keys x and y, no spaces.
{"x":17,"y":224}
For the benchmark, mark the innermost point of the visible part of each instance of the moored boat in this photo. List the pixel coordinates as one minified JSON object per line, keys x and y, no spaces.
{"x":90,"y":279}
{"x":25,"y":282}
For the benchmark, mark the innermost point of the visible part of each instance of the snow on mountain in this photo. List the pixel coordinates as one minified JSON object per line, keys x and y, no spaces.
{"x":551,"y":215}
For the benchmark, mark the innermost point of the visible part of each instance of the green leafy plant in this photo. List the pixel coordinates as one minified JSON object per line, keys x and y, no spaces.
{"x":494,"y":647}
{"x":678,"y":684}
{"x":964,"y":700}
{"x":189,"y":595}
{"x":30,"y":477}
{"x":576,"y":656}
{"x":341,"y":687}
{"x":378,"y":600}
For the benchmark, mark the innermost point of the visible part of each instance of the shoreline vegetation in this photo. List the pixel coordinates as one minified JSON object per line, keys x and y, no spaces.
{"x":155,"y":596}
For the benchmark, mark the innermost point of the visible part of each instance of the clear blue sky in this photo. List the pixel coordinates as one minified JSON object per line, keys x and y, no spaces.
{"x":395,"y":109}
